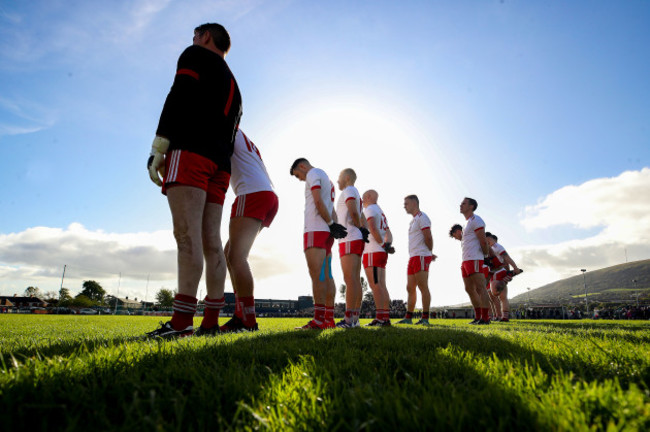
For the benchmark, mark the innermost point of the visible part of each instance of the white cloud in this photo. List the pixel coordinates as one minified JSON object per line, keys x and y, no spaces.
{"x":120,"y":261}
{"x":617,"y":206}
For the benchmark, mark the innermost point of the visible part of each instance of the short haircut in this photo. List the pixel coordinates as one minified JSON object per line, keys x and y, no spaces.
{"x":350,"y":172}
{"x":472,"y":202}
{"x":414,"y":198}
{"x":218,"y":33}
{"x":454,"y":228}
{"x":489,"y":234}
{"x":295,"y":164}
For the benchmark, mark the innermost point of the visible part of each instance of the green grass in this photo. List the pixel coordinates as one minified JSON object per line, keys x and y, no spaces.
{"x":93,"y":373}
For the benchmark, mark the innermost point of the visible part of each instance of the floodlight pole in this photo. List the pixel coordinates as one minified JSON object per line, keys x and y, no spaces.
{"x":584,"y":280}
{"x":62,"y":277}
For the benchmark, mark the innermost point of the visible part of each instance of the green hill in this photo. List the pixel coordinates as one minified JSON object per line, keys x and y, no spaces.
{"x":609,"y":285}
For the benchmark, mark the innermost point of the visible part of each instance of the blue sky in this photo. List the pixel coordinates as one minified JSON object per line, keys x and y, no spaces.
{"x":536,"y":109}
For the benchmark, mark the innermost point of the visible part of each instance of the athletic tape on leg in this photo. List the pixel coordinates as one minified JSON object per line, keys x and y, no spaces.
{"x":374,"y":275}
{"x":322,"y":270}
{"x":329,"y":265}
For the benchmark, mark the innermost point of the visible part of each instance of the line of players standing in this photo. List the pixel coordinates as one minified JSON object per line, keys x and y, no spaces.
{"x":199,"y":150}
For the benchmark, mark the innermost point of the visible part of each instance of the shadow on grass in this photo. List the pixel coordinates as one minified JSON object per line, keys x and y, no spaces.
{"x":389,"y":379}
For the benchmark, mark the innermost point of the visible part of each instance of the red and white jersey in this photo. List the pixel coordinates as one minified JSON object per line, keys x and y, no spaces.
{"x":469,"y":243}
{"x":417,"y":247}
{"x":499,"y":252}
{"x":350,"y":193}
{"x":248,"y":174}
{"x":374,"y":215}
{"x":317,"y":179}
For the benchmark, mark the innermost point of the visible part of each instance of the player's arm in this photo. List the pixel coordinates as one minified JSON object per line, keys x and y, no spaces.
{"x":373,"y":226}
{"x":321,"y":208}
{"x":428,"y":238}
{"x":482,"y":240}
{"x":511,"y":262}
{"x":388,"y":237}
{"x":353,"y":211}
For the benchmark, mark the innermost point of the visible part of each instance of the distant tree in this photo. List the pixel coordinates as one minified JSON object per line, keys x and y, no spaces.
{"x":165,"y":297}
{"x":82,"y":300}
{"x":64,"y":295}
{"x":93,"y":291}
{"x":32,"y":291}
{"x":51,"y":297}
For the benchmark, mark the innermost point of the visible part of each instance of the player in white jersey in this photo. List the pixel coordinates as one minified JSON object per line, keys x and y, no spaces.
{"x":475,"y":251}
{"x":254,"y":208}
{"x":320,"y":231}
{"x":420,"y":252}
{"x":375,"y":257}
{"x":501,"y":263}
{"x":348,"y":210}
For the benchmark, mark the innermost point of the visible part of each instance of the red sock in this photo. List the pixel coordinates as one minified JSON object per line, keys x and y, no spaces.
{"x":247,"y":306}
{"x":329,"y":313}
{"x":477,"y":313}
{"x":319,"y":313}
{"x":184,"y":309}
{"x":409,"y":315}
{"x":211,"y":311}
{"x":425,"y":315}
{"x":485,"y":316}
{"x":348,"y":315}
{"x":382,"y":315}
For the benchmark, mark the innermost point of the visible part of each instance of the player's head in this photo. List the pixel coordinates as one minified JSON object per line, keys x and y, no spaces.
{"x":212,"y":33}
{"x":369,"y":197}
{"x":468,"y":206}
{"x":491,"y":238}
{"x":299,"y":168}
{"x":347,"y":177}
{"x":411,"y":204}
{"x":456,"y":232}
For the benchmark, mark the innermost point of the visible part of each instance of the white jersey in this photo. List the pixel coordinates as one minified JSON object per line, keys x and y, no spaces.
{"x":499,"y":252}
{"x":417,"y":247}
{"x":248,"y":174}
{"x":469,"y":243}
{"x":374,"y":215}
{"x":317,"y":179}
{"x":345,"y":218}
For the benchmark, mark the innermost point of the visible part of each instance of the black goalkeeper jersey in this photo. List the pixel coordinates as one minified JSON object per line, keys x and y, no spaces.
{"x":203,"y":107}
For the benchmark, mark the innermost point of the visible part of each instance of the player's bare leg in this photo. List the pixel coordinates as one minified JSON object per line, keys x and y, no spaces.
{"x":494,"y":304}
{"x":411,"y":286}
{"x":500,"y":290}
{"x":478,"y":280}
{"x":422,"y":280}
{"x":316,"y":265}
{"x":376,"y":277}
{"x":351,"y":267}
{"x":243,"y":232}
{"x":330,"y":294}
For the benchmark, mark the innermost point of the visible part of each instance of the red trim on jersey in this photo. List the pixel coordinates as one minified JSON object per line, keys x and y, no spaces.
{"x":230,"y":96}
{"x":315,"y":187}
{"x":351,"y":198}
{"x":188,"y":72}
{"x":426,"y":228}
{"x":479,"y":228}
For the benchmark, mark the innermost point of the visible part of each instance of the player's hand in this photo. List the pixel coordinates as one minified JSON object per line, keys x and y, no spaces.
{"x":388,"y":247}
{"x":156,"y":162}
{"x":488,"y":262}
{"x":517,"y":271}
{"x":433,"y":257}
{"x":364,"y":234}
{"x":338,"y":231}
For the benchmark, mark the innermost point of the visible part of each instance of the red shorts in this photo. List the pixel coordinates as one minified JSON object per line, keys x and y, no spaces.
{"x":472,"y":266}
{"x":354,"y":247}
{"x":318,"y":239}
{"x":258,"y":205}
{"x":486,"y":271}
{"x":184,"y":168}
{"x":418,"y":264}
{"x":501,"y":275}
{"x":375,"y":259}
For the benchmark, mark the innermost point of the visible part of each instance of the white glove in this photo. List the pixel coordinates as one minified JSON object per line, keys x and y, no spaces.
{"x":156,"y":162}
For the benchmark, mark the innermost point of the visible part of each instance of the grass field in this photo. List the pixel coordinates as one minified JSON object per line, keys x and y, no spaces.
{"x":93,"y":373}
